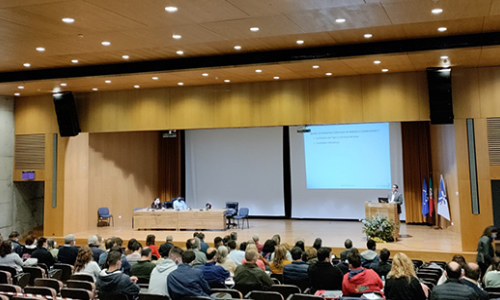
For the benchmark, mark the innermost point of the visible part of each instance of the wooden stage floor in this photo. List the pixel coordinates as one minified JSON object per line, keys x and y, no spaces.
{"x":419,"y":242}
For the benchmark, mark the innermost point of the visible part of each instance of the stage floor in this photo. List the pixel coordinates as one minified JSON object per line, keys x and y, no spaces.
{"x":419,"y":242}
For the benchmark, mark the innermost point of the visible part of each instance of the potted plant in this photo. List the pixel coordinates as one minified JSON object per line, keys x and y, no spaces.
{"x":379,"y":227}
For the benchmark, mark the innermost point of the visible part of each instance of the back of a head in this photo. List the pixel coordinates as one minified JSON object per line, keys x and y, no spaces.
{"x":130,"y":244}
{"x":30,"y":240}
{"x":269,"y":246}
{"x":110,"y":243}
{"x":164,"y":250}
{"x":234,"y":236}
{"x":323,"y":253}
{"x":300,"y":244}
{"x":459,"y":259}
{"x":243,"y":246}
{"x":370,"y":244}
{"x":222,"y":253}
{"x":113,"y":258}
{"x":317,"y":243}
{"x":217,"y":241}
{"x":188,"y":256}
{"x":211,"y":253}
{"x":150,"y":239}
{"x":402,"y":266}
{"x":51,"y":243}
{"x":69,"y":238}
{"x":277,"y":239}
{"x":384,"y":254}
{"x":472,"y":271}
{"x":117,"y":249}
{"x":231,"y":244}
{"x":255,"y":238}
{"x":5,"y":248}
{"x":119,"y":241}
{"x":41,"y":241}
{"x":189,"y":244}
{"x":311,"y":253}
{"x":453,"y":270}
{"x":136,"y":246}
{"x":92,"y":240}
{"x":250,"y":255}
{"x":354,"y":259}
{"x":196,"y":243}
{"x":13,"y":234}
{"x":279,"y":254}
{"x":169,"y":239}
{"x":348,"y":244}
{"x":145,"y":252}
{"x":175,"y":252}
{"x":296,"y":253}
{"x":201,"y":236}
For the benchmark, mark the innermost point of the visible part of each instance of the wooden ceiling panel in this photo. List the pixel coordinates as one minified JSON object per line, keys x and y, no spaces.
{"x":491,"y":23}
{"x":334,"y":66}
{"x":420,"y":11}
{"x":454,"y":27}
{"x":489,"y":56}
{"x":357,"y":16}
{"x":14,"y":32}
{"x":17,"y":3}
{"x":495,"y":7}
{"x":273,"y":7}
{"x":456,"y":57}
{"x":393,"y":62}
{"x":381,"y":33}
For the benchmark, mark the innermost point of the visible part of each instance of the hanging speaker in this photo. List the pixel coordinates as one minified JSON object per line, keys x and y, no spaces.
{"x":440,"y":101}
{"x":67,"y":117}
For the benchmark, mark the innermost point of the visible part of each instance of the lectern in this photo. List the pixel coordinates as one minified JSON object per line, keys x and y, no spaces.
{"x":389,"y":210}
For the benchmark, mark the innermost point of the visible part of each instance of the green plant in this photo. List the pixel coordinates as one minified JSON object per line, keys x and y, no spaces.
{"x":379,"y":227}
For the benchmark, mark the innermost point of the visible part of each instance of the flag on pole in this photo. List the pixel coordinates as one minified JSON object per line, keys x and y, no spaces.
{"x":431,"y":198}
{"x":443,"y":208}
{"x":425,"y":200}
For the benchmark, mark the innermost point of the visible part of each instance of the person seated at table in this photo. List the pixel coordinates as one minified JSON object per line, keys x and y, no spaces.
{"x":180,"y":204}
{"x":156,"y":204}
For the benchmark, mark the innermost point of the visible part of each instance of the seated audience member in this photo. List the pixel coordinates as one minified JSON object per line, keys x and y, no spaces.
{"x":110,"y":242}
{"x":382,"y":267}
{"x":296,"y":272}
{"x":42,"y":254}
{"x":471,"y":278}
{"x":287,"y":248}
{"x":243,"y":246}
{"x":9,"y":258}
{"x":224,"y":261}
{"x":29,"y":247}
{"x":492,"y":278}
{"x":249,"y":276}
{"x":125,"y":264}
{"x":343,"y":264}
{"x":187,"y":281}
{"x":323,"y":275}
{"x":85,"y":264}
{"x":203,"y":245}
{"x":52,"y":247}
{"x":165,"y":266}
{"x":279,"y":260}
{"x":14,"y":237}
{"x":261,"y":262}
{"x":458,"y":259}
{"x":214,"y":275}
{"x":268,"y":249}
{"x":112,"y":281}
{"x":369,"y":256}
{"x":218,"y":242}
{"x":169,"y":244}
{"x":453,"y":288}
{"x":348,"y":246}
{"x":150,"y":243}
{"x":301,"y":245}
{"x":233,"y":236}
{"x":135,"y":256}
{"x":143,"y":268}
{"x":317,"y":243}
{"x":131,"y":246}
{"x":194,"y":245}
{"x":68,"y":252}
{"x":256,"y":240}
{"x":235,"y":255}
{"x":311,"y":256}
{"x":402,"y":282}
{"x":360,"y":280}
{"x":94,"y":244}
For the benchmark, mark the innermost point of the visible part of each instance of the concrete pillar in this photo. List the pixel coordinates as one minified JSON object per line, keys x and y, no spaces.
{"x":6,"y":165}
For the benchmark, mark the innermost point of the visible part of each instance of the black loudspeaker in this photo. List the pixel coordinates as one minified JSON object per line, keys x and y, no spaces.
{"x":67,"y":117}
{"x":440,"y":100}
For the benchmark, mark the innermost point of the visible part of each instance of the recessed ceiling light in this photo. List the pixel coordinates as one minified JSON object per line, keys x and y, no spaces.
{"x":300,"y":42}
{"x":328,"y":74}
{"x":204,"y":74}
{"x":75,"y":61}
{"x":181,"y":83}
{"x":437,"y":11}
{"x":107,"y":81}
{"x":315,"y":67}
{"x":136,"y":86}
{"x":442,"y":29}
{"x":377,"y":62}
{"x":63,"y":84}
{"x":368,"y":35}
{"x":155,"y":78}
{"x":95,"y":89}
{"x":21,"y":87}
{"x":227,"y":80}
{"x":125,"y":56}
{"x":106,"y":43}
{"x":258,"y":71}
{"x":340,"y":20}
{"x":40,"y":49}
{"x":68,"y":20}
{"x":17,"y":94}
{"x":254,"y":29}
{"x":385,"y":70}
{"x":56,"y":90}
{"x":176,"y":36}
{"x":171,"y":8}
{"x":276,"y":77}
{"x":180,"y":52}
{"x":237,"y":47}
{"x":27,"y":65}
{"x":444,"y":57}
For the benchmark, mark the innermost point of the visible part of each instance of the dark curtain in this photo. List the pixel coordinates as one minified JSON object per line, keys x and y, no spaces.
{"x":169,"y":165}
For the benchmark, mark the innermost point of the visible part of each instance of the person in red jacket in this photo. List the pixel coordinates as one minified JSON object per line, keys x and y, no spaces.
{"x":360,"y":280}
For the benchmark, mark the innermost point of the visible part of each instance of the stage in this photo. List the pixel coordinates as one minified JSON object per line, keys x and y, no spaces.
{"x":417,"y":241}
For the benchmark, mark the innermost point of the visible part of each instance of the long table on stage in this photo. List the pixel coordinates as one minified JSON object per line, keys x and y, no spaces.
{"x":183,"y":219}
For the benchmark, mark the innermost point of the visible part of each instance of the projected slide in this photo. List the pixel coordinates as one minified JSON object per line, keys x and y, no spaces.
{"x":354,"y":156}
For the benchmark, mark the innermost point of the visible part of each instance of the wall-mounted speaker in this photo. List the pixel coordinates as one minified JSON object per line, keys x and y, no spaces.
{"x":440,"y":100}
{"x":67,"y":117}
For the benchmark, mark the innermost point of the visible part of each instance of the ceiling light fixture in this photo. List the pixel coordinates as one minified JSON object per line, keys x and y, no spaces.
{"x":176,"y":36}
{"x":385,"y":70}
{"x":258,"y":71}
{"x":315,"y":67}
{"x":40,"y":49}
{"x":442,"y":29}
{"x":180,"y":52}
{"x":155,"y":78}
{"x":340,"y":21}
{"x":27,"y":65}
{"x":136,"y":86}
{"x":437,"y":11}
{"x":368,"y":35}
{"x":125,"y":56}
{"x":227,"y":80}
{"x":300,"y":42}
{"x":75,"y":61}
{"x":171,"y":8}
{"x":254,"y":29}
{"x":181,"y":83}
{"x":377,"y":62}
{"x":444,"y":57}
{"x":107,"y":81}
{"x":95,"y":89}
{"x":204,"y":74}
{"x":21,"y":87}
{"x":328,"y":74}
{"x":63,"y":84}
{"x":17,"y":94}
{"x":276,"y":77}
{"x":68,"y":20}
{"x":105,"y":43}
{"x":237,"y":47}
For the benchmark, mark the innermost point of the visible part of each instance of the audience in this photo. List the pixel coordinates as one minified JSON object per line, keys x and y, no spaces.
{"x":9,"y":258}
{"x":233,"y":236}
{"x":249,"y":276}
{"x":402,"y":282}
{"x":301,"y":245}
{"x":14,"y":237}
{"x":203,"y":245}
{"x":492,"y":278}
{"x":317,"y":243}
{"x":382,"y":267}
{"x":256,"y":239}
{"x":110,"y":242}
{"x":169,"y":244}
{"x":135,"y":255}
{"x":348,"y":246}
{"x":42,"y":254}
{"x":85,"y":264}
{"x":125,"y":265}
{"x":164,"y":266}
{"x":218,"y":242}
{"x":224,"y":261}
{"x":311,"y":256}
{"x":29,"y":247}
{"x":261,"y":262}
{"x":268,"y":249}
{"x":369,"y":256}
{"x":112,"y":281}
{"x":360,"y":280}
{"x":323,"y":275}
{"x":94,"y":244}
{"x":150,"y":243}
{"x":51,"y":246}
{"x":235,"y":255}
{"x":214,"y":275}
{"x":296,"y":272}
{"x":453,"y":288}
{"x":194,"y":245}
{"x":279,"y":260}
{"x":143,"y":268}
{"x":458,"y":259}
{"x":471,"y":278}
{"x":187,"y":281}
{"x":68,"y":252}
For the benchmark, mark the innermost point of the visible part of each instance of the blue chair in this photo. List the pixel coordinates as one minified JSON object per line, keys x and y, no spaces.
{"x":103,"y":213}
{"x":242,"y":215}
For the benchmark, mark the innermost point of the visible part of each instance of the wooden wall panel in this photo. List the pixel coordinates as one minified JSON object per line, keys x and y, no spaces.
{"x":423,"y":96}
{"x":35,"y":115}
{"x":336,"y":100}
{"x":237,"y":106}
{"x":193,"y":107}
{"x":495,"y":172}
{"x":465,"y":93}
{"x":489,"y":91}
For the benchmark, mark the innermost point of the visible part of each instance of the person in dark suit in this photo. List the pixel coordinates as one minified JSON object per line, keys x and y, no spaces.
{"x":42,"y":254}
{"x":68,"y":253}
{"x":396,"y":197}
{"x":156,"y":204}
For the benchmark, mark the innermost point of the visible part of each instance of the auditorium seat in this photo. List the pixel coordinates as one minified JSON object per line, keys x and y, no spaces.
{"x":41,"y":290}
{"x":82,"y":277}
{"x":304,"y":297}
{"x":234,"y":293}
{"x":494,"y":293}
{"x":79,"y":284}
{"x":146,"y":296}
{"x":285,"y":289}
{"x":10,"y":288}
{"x":49,"y":282}
{"x":35,"y":272}
{"x":264,"y":295}
{"x":80,"y":294}
{"x":21,"y":279}
{"x":5,"y":277}
{"x":67,"y":270}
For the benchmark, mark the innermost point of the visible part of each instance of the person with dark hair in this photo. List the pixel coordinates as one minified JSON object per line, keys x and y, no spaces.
{"x":203,"y":245}
{"x":42,"y":254}
{"x":112,"y":281}
{"x":130,"y":246}
{"x":382,"y":267}
{"x":323,"y":275}
{"x":471,"y":278}
{"x":396,"y":197}
{"x":218,"y":242}
{"x":14,"y":237}
{"x":233,"y":236}
{"x":9,"y":258}
{"x":194,"y":244}
{"x":485,"y":251}
{"x":249,"y":276}
{"x":243,"y":246}
{"x":301,"y":245}
{"x":110,"y":242}
{"x":165,"y":266}
{"x":235,"y":255}
{"x":165,"y":248}
{"x":369,"y":256}
{"x":85,"y":264}
{"x":317,"y":243}
{"x":135,"y":256}
{"x":68,"y":252}
{"x":453,"y":288}
{"x":268,"y":249}
{"x":348,"y":246}
{"x":125,"y":265}
{"x":187,"y":281}
{"x":402,"y":282}
{"x":214,"y":275}
{"x":492,"y":277}
{"x":150,"y":242}
{"x":296,"y":272}
{"x":344,"y":264}
{"x":29,"y":247}
{"x":143,"y":268}
{"x":360,"y":280}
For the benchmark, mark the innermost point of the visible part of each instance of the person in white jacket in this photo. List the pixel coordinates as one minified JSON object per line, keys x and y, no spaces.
{"x":164,"y":266}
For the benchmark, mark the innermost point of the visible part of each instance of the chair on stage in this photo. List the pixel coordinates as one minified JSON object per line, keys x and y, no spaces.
{"x":231,"y":211}
{"x":242,"y":215}
{"x":104,"y":215}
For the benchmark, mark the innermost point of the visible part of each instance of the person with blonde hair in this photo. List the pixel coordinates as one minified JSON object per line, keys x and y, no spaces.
{"x":85,"y":264}
{"x":279,"y":260}
{"x":224,"y":261}
{"x":261,"y":262}
{"x":312,"y":256}
{"x":402,"y":282}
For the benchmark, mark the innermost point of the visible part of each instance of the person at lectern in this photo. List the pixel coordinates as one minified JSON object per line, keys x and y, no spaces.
{"x":156,"y":204}
{"x":396,"y":197}
{"x":180,"y":204}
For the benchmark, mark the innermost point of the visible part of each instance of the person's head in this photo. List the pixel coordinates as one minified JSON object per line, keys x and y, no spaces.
{"x":170,"y":239}
{"x":459,"y":259}
{"x":491,"y":232}
{"x":300,"y":244}
{"x":83,"y":258}
{"x":453,"y":270}
{"x":93,"y":240}
{"x":14,"y":235}
{"x":277,"y":239}
{"x":472,"y":271}
{"x":402,"y":266}
{"x":164,"y":250}
{"x":51,"y":243}
{"x":114,"y":261}
{"x":136,"y":246}
{"x":5,"y":248}
{"x":69,"y":240}
{"x":117,"y":249}
{"x":201,"y":236}
{"x":317,"y":243}
{"x":255,"y":238}
{"x":354,"y":259}
{"x":217,"y":242}
{"x":157,"y":201}
{"x":226,"y":239}
{"x":296,"y":253}
{"x":30,"y":240}
{"x":370,"y":244}
{"x":279,"y":255}
{"x":110,"y":243}
{"x":150,"y":239}
{"x":234,"y":236}
{"x":193,"y":244}
{"x":324,"y":254}
{"x":395,"y":187}
{"x":243,"y":246}
{"x":311,"y":253}
{"x":384,"y":255}
{"x":118,"y":241}
{"x":495,"y":264}
{"x":130,"y":244}
{"x":42,"y":243}
{"x":269,"y":246}
{"x":251,"y":256}
{"x":232,"y":245}
{"x":146,"y":253}
{"x":188,"y":257}
{"x":175,"y":254}
{"x":348,"y":244}
{"x":211,"y":254}
{"x":222,"y":253}
{"x":195,"y":234}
